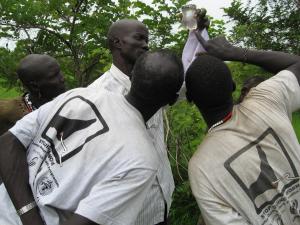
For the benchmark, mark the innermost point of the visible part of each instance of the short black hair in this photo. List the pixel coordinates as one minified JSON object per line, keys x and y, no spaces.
{"x":248,"y":84}
{"x":208,"y":82}
{"x":157,"y":75}
{"x":253,"y":81}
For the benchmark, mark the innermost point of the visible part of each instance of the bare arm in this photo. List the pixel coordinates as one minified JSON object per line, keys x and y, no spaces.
{"x":14,"y":173}
{"x":269,"y":60}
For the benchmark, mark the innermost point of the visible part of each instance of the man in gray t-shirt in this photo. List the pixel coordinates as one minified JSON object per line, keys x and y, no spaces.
{"x":246,"y":170}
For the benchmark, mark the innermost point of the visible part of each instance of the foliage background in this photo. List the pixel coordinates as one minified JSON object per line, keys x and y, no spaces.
{"x":74,"y":32}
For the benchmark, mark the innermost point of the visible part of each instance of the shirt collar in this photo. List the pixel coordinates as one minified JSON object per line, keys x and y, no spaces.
{"x":120,"y":76}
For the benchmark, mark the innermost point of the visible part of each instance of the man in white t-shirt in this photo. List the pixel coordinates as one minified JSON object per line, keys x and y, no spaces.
{"x":246,"y":170}
{"x":90,"y":158}
{"x":127,"y":40}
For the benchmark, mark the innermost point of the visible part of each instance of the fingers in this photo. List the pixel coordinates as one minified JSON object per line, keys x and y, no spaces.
{"x":202,"y":19}
{"x":207,"y":24}
{"x":200,"y":39}
{"x":201,"y":13}
{"x":201,"y":53}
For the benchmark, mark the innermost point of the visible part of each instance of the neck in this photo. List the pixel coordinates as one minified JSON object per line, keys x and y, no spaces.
{"x":214,"y":115}
{"x":122,"y":64}
{"x":146,"y":109}
{"x":36,"y":101}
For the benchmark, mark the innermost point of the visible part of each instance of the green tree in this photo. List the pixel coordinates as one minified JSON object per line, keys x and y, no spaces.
{"x":266,"y":24}
{"x":75,"y":31}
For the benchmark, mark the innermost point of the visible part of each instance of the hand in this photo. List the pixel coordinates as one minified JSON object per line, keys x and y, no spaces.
{"x":202,"y":19}
{"x":218,"y":47}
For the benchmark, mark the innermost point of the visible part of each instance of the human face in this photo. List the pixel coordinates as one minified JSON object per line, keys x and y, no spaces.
{"x":134,"y":42}
{"x":51,"y":84}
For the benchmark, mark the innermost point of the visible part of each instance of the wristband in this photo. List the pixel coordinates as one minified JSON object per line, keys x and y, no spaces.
{"x":26,"y":208}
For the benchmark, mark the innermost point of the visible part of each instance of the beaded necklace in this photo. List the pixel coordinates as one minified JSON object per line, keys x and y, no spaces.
{"x":28,"y":102}
{"x":226,"y":118}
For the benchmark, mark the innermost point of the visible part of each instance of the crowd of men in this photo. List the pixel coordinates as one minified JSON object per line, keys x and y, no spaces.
{"x":96,"y":155}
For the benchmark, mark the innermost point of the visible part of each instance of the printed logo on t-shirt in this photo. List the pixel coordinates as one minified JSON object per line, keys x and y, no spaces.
{"x":266,"y":173}
{"x":70,"y":129}
{"x":45,"y":185}
{"x":33,"y":161}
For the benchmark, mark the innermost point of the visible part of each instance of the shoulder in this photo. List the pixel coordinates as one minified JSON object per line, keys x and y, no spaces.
{"x":139,"y":147}
{"x":209,"y":152}
{"x":283,"y":80}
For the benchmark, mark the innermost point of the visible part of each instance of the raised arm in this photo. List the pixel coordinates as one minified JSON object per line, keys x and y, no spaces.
{"x":192,"y":45}
{"x":14,"y":173}
{"x":269,"y":60}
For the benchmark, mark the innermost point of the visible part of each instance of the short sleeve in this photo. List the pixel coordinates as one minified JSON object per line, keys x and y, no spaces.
{"x":213,"y":209}
{"x":117,"y":200}
{"x":280,"y":92}
{"x":26,"y":128}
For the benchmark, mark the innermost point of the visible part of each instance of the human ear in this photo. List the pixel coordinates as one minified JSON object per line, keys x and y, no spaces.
{"x":117,"y":43}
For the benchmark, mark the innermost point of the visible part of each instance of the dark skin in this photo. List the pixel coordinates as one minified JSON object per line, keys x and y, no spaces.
{"x":268,"y":60}
{"x":41,"y":76}
{"x":129,"y":40}
{"x":15,"y":173}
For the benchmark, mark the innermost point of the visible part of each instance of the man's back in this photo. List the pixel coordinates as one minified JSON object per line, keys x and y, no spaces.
{"x":115,"y":81}
{"x":94,"y":161}
{"x":255,"y":157}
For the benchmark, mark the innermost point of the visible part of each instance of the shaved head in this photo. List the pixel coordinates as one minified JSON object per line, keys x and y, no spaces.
{"x":157,"y":76}
{"x":41,"y":75}
{"x":122,"y":28}
{"x":33,"y":67}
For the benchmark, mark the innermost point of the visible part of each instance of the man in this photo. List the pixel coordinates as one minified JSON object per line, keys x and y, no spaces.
{"x":41,"y":76}
{"x":246,"y":171}
{"x":43,"y":80}
{"x":105,"y":134}
{"x":127,"y":40}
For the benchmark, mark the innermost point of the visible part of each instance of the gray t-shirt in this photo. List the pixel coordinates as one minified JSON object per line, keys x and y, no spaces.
{"x":246,"y":171}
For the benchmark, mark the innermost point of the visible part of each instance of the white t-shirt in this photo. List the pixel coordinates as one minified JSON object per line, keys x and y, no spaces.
{"x":89,"y":153}
{"x":114,"y":80}
{"x":246,"y":171}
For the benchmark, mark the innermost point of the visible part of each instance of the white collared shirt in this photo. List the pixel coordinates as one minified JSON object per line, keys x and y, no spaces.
{"x":116,"y":81}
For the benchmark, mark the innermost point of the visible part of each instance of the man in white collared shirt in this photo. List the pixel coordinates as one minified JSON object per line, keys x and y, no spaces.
{"x":127,"y":40}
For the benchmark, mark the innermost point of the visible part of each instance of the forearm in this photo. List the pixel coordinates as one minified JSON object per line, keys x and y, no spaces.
{"x":14,"y":173}
{"x":271,"y":61}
